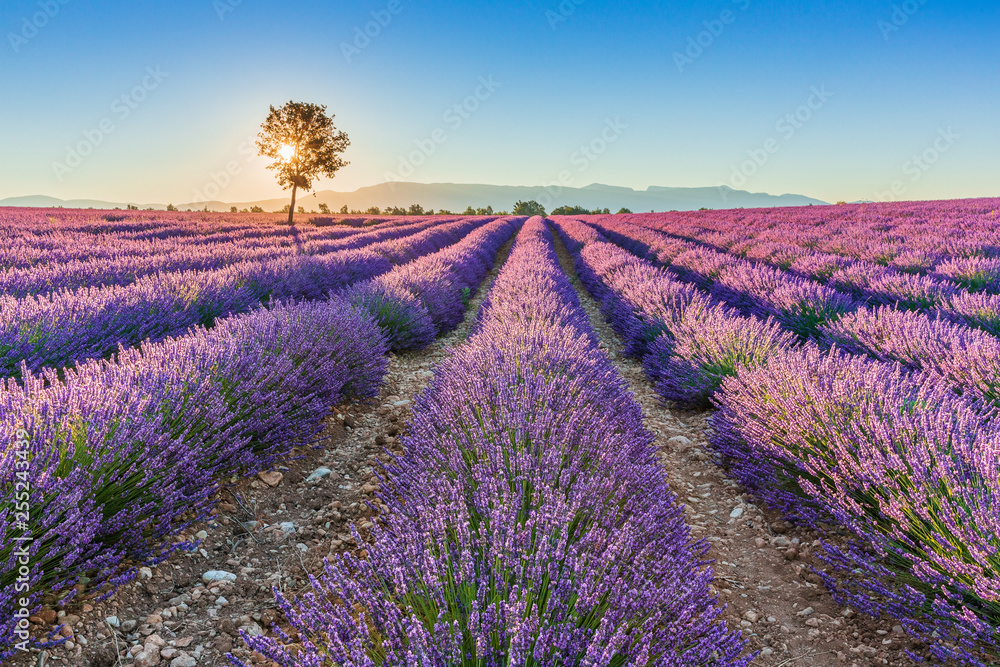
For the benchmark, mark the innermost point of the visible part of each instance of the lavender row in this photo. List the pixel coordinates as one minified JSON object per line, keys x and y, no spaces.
{"x":897,"y":458}
{"x":427,"y":297}
{"x":35,"y":237}
{"x":72,"y":327}
{"x":953,"y":289}
{"x":688,"y":342}
{"x":687,"y":350}
{"x":529,"y":521}
{"x":913,"y":237}
{"x":799,"y":304}
{"x":28,"y":245}
{"x":125,"y":269}
{"x":908,"y":468}
{"x":861,"y":282}
{"x":828,"y":316}
{"x":965,"y":359}
{"x":924,"y":281}
{"x":130,"y":451}
{"x":905,"y":270}
{"x":121,"y":455}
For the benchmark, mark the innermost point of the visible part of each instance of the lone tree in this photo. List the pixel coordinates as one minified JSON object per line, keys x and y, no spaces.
{"x":304,"y":144}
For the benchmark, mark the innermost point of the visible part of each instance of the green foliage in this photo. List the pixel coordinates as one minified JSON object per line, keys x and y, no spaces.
{"x":315,"y":142}
{"x":529,"y":208}
{"x":579,"y":210}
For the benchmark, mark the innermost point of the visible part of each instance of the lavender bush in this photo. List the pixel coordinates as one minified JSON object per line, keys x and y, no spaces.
{"x":705,"y":347}
{"x":972,"y":273}
{"x":444,"y":281}
{"x":125,"y":453}
{"x":907,"y":468}
{"x":963,"y":359}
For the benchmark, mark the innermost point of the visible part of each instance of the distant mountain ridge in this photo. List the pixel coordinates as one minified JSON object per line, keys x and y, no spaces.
{"x":456,"y":197}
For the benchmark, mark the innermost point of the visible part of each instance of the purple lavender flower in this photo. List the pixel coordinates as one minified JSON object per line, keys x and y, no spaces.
{"x":121,"y":451}
{"x":705,"y":347}
{"x":905,"y":466}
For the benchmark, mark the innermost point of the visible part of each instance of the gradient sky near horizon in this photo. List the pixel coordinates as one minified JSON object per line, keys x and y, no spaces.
{"x":700,"y":94}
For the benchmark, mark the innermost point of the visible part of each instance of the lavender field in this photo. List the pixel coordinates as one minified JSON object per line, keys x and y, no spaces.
{"x":830,"y":376}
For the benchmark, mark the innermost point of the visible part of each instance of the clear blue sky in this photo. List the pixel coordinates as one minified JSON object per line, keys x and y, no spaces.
{"x":896,"y":80}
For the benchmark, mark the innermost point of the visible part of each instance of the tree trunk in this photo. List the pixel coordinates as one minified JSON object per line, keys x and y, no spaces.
{"x":291,"y":209}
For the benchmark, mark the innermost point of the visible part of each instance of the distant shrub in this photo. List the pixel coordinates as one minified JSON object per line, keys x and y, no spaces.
{"x":323,"y":221}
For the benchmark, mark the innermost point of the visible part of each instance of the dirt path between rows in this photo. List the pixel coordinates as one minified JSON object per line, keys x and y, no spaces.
{"x":762,"y":564}
{"x":272,"y":530}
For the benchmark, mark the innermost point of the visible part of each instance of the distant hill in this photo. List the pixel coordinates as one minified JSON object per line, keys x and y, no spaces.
{"x":456,"y":197}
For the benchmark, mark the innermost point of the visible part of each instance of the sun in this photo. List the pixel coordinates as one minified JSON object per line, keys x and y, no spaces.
{"x":286,"y":152}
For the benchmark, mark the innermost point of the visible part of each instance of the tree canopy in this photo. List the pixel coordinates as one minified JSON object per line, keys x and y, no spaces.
{"x":529,"y":208}
{"x":304,"y":144}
